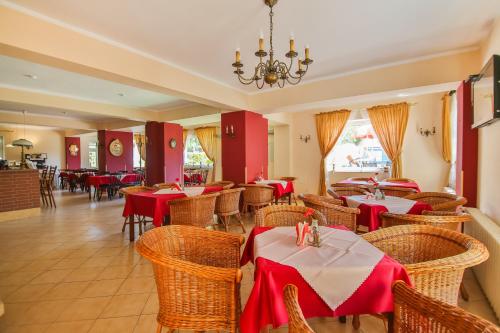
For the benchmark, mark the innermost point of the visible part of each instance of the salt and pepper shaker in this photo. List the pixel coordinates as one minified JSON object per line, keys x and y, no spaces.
{"x":315,"y":234}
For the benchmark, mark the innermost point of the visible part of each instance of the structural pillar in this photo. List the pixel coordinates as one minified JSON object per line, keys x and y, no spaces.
{"x":164,"y":153}
{"x":114,"y":162}
{"x":244,"y":136}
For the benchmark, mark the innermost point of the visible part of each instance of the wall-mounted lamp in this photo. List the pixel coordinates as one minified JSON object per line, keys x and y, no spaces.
{"x":305,"y":138}
{"x":230,"y":131}
{"x":427,"y":132}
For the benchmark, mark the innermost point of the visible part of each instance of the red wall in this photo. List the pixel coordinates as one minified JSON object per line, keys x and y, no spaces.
{"x":72,"y":162}
{"x":247,"y":149}
{"x":110,"y":163}
{"x":467,"y":147}
{"x":163,"y":163}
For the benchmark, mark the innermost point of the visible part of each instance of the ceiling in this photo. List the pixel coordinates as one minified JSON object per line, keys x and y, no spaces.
{"x":200,"y":36}
{"x":53,"y":81}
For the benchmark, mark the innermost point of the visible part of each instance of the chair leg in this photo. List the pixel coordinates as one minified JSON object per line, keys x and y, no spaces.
{"x":238,"y":217}
{"x":355,"y":322}
{"x":158,"y":328}
{"x":463,"y":292}
{"x":225,"y":221}
{"x":140,"y":225}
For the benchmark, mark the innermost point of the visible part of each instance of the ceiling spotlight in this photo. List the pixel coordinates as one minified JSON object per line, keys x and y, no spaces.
{"x":121,"y":94}
{"x":31,"y":76}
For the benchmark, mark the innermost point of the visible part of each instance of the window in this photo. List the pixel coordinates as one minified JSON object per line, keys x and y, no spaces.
{"x":194,"y":154}
{"x":2,"y":148}
{"x":358,"y":149}
{"x":138,"y":161}
{"x":93,"y":154}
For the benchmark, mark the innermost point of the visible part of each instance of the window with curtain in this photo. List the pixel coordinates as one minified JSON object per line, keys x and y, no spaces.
{"x":138,"y":162}
{"x":2,"y":148}
{"x":358,"y":149}
{"x":93,"y":154}
{"x":194,"y":154}
{"x":452,"y":182}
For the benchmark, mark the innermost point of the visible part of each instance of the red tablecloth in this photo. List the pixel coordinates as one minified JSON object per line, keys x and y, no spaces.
{"x":381,"y":183}
{"x":279,"y":190}
{"x":153,"y":205}
{"x":131,"y":178}
{"x":266,"y":306}
{"x":369,"y":215}
{"x":97,"y":181}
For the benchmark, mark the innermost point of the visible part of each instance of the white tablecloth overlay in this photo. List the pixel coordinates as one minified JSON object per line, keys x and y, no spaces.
{"x":188,"y":191}
{"x":393,"y":204}
{"x":335,"y":270}
{"x":283,"y":183}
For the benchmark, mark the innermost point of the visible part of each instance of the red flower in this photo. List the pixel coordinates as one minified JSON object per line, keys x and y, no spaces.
{"x":309,"y":212}
{"x":176,"y":179}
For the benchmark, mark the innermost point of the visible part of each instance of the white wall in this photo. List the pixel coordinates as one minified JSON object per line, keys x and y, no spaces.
{"x":282,"y":147}
{"x":47,"y":141}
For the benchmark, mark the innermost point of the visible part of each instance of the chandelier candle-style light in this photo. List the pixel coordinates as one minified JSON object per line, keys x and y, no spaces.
{"x":270,"y":70}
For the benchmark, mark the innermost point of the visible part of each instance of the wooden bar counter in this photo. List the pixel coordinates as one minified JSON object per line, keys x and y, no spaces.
{"x":19,"y":194}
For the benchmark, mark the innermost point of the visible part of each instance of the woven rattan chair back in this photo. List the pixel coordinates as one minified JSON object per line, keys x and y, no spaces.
{"x":339,"y":191}
{"x":161,"y":186}
{"x":136,"y":189}
{"x":228,"y":205}
{"x":257,"y":196}
{"x":439,"y":200}
{"x":196,"y":211}
{"x":435,"y":258}
{"x":197,"y":277}
{"x":401,"y":180}
{"x":285,"y":216}
{"x":450,"y":221}
{"x":362,"y":179}
{"x":296,"y":321}
{"x":334,"y":213}
{"x":288,"y":178}
{"x":225,"y":184}
{"x":397,"y":191}
{"x":417,"y":313}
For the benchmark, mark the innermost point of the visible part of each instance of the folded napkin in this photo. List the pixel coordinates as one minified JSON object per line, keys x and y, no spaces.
{"x":168,"y":191}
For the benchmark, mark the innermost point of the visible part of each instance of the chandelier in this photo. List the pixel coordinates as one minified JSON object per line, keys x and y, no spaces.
{"x":270,"y":70}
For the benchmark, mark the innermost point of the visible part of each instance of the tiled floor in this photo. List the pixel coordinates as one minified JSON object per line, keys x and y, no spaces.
{"x":72,"y":270}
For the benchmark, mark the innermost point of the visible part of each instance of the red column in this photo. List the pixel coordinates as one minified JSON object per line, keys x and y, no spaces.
{"x":467,"y":147}
{"x":164,"y":159}
{"x":73,"y":162}
{"x":244,"y":146}
{"x":109,"y":162}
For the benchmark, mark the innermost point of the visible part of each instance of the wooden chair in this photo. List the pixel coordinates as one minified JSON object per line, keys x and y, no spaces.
{"x":257,"y":196}
{"x":332,"y":209}
{"x":226,"y":184}
{"x":339,"y":191}
{"x":439,"y":200}
{"x":417,"y":313}
{"x":43,"y":183}
{"x":197,"y":274}
{"x":228,"y":205}
{"x":195,"y":211}
{"x":47,"y":186}
{"x":285,"y":216}
{"x":141,"y":219}
{"x":296,"y":321}
{"x":291,"y":180}
{"x":397,"y":191}
{"x":402,"y":180}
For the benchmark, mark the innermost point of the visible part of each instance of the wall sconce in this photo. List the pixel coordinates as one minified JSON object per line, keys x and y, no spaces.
{"x":230,"y":131}
{"x":427,"y":132}
{"x":305,"y":138}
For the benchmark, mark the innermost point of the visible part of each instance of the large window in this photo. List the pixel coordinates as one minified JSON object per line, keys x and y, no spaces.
{"x":138,"y":161}
{"x":358,"y":149}
{"x":194,"y":154}
{"x":93,"y":154}
{"x":2,"y":147}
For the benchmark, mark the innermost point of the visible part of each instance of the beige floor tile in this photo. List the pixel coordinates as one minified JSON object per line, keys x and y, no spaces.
{"x":30,"y":292}
{"x":17,"y":278}
{"x":114,"y":272}
{"x":125,"y":305}
{"x":480,"y":308}
{"x":12,"y":266}
{"x":7,"y":290}
{"x":137,"y":285}
{"x":36,"y":328}
{"x":102,"y":288}
{"x":109,"y":252}
{"x":84,"y":308}
{"x":67,"y":290}
{"x":83,"y":274}
{"x":39,"y":265}
{"x":98,"y":262}
{"x":53,"y":276}
{"x":15,"y":314}
{"x":82,"y":326}
{"x":71,"y":263}
{"x":45,"y":312}
{"x":142,"y":271}
{"x":152,"y":305}
{"x":146,"y":324}
{"x":115,"y":325}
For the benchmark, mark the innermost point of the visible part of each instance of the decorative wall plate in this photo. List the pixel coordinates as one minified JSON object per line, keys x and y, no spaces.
{"x":116,"y":148}
{"x":73,"y":149}
{"x":173,"y":143}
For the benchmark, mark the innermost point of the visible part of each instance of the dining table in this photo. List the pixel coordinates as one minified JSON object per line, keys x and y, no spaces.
{"x":282,"y":188}
{"x":353,"y":182}
{"x":346,"y":275}
{"x":154,"y":203}
{"x":370,"y":208}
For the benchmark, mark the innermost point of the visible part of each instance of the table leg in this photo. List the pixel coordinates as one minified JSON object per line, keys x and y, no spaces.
{"x":390,"y":321}
{"x":343,"y":319}
{"x":290,"y":198}
{"x":131,"y":228}
{"x":90,"y":192}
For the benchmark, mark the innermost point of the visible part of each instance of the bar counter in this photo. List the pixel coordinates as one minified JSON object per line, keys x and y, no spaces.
{"x":19,"y":194}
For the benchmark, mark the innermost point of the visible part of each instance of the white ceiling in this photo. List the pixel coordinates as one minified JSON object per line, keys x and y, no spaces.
{"x":55,"y":81}
{"x":201,"y":35}
{"x":9,"y":107}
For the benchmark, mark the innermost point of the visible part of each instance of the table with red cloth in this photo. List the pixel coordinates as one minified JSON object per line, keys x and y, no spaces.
{"x":369,"y":215}
{"x":154,"y":205}
{"x":98,"y":181}
{"x":279,"y":190}
{"x":265,"y":305}
{"x":131,"y":178}
{"x":412,"y":185}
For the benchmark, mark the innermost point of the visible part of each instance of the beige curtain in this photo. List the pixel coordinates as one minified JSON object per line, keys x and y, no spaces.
{"x":184,"y":138}
{"x":446,"y":135}
{"x":329,"y":126}
{"x":140,"y":140}
{"x":208,"y":141}
{"x":389,"y":123}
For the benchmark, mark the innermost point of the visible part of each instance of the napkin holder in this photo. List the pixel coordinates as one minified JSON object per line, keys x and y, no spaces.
{"x":302,"y":230}
{"x":379,"y":195}
{"x":314,"y":239}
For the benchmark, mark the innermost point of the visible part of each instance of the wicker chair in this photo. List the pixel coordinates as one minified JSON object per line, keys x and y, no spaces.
{"x":195,"y":211}
{"x":402,"y":180}
{"x":438,"y":200}
{"x":226,"y":185}
{"x":285,"y":216}
{"x":296,"y":321}
{"x":197,"y":277}
{"x":339,"y":191}
{"x":417,"y":313}
{"x":257,"y":196}
{"x":362,"y":179}
{"x":397,"y":191}
{"x":135,"y":189}
{"x":335,"y":214}
{"x":228,"y":205}
{"x":449,"y":220}
{"x":435,"y":258}
{"x":161,"y":186}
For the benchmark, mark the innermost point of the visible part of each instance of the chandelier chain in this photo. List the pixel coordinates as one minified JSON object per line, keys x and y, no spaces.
{"x":271,"y":26}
